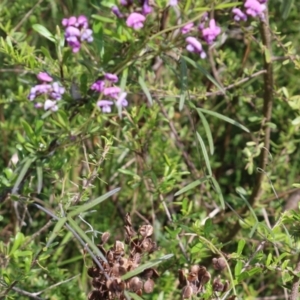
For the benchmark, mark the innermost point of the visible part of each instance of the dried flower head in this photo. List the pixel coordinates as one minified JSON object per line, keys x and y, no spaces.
{"x":107,"y":282}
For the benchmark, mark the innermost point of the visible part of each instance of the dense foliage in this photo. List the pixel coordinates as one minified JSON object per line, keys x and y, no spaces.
{"x":149,"y":149}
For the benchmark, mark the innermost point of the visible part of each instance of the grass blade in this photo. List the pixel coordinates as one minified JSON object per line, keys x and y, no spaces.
{"x":203,"y":71}
{"x":207,"y":131}
{"x":183,"y":83}
{"x":219,"y":192}
{"x":145,"y":266}
{"x":191,"y":186}
{"x":222,"y":117}
{"x":91,"y":204}
{"x":204,"y":154}
{"x":145,"y":89}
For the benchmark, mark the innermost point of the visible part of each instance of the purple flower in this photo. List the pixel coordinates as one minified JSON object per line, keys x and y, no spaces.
{"x":195,"y":46}
{"x":135,"y":20}
{"x":173,"y":2}
{"x":239,"y":15}
{"x":98,"y":86}
{"x":105,"y":105}
{"x":111,"y":77}
{"x":122,"y":102}
{"x":115,"y":10}
{"x":146,"y":9}
{"x":50,"y":104}
{"x":77,"y":31}
{"x":187,"y":28}
{"x":113,"y":91}
{"x":210,"y":33}
{"x":125,"y":2}
{"x":254,"y":8}
{"x":44,"y":77}
{"x":52,"y":91}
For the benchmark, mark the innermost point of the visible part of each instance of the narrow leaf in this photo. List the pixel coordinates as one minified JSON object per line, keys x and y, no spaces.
{"x":145,"y":266}
{"x":145,"y":90}
{"x":219,"y":192}
{"x":28,"y":129}
{"x":286,"y":8}
{"x":39,"y":173}
{"x":204,"y":154}
{"x":203,"y":71}
{"x":58,"y":226}
{"x":92,"y":203}
{"x":191,"y":186}
{"x":222,"y":117}
{"x":133,"y":296}
{"x":183,"y":83}
{"x":207,"y":131}
{"x":81,"y":233}
{"x":26,"y":166}
{"x":43,"y":31}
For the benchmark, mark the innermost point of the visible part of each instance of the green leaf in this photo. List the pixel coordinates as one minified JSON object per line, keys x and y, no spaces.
{"x":219,"y":192}
{"x":207,"y":131}
{"x":222,"y":117}
{"x":241,"y":246}
{"x":58,"y":226}
{"x":286,"y":8}
{"x":133,"y":296}
{"x":81,"y":233}
{"x":238,"y":268}
{"x":204,"y":154}
{"x":27,"y":163}
{"x":145,"y":89}
{"x":183,"y":83}
{"x":19,"y":239}
{"x":203,"y":71}
{"x":103,"y":19}
{"x":39,"y":172}
{"x":191,"y":186}
{"x":44,"y":32}
{"x":28,"y":130}
{"x":92,"y":203}
{"x":145,"y":266}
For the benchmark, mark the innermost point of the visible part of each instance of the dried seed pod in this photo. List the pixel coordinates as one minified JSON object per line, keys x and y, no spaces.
{"x":219,"y":263}
{"x":226,"y":286}
{"x":182,"y":279}
{"x":118,"y":248}
{"x":110,"y":256}
{"x":148,"y":286}
{"x":94,"y":295}
{"x":187,"y":292}
{"x":135,"y":284}
{"x":128,"y":219}
{"x":96,"y":283}
{"x":195,"y":269}
{"x":93,"y":272}
{"x":218,"y":286}
{"x":192,"y":277}
{"x":149,"y":273}
{"x":146,"y":230}
{"x":104,"y":238}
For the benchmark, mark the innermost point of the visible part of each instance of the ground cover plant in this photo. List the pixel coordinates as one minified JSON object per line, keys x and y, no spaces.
{"x":149,"y":149}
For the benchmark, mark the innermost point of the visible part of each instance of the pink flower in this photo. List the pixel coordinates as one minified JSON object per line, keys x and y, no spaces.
{"x":122,"y":102}
{"x":195,"y":46}
{"x":113,"y":91}
{"x":105,"y":105}
{"x":44,"y":77}
{"x":187,"y":28}
{"x":254,"y":8}
{"x":210,"y":33}
{"x":135,"y":20}
{"x":111,"y":77}
{"x":239,"y":15}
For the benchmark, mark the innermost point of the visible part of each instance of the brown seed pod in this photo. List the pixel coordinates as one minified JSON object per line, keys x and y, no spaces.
{"x":218,"y":286}
{"x":148,"y":286}
{"x":219,"y":263}
{"x":105,"y":236}
{"x":135,"y":284}
{"x":146,"y":230}
{"x":93,"y":272}
{"x":187,"y":292}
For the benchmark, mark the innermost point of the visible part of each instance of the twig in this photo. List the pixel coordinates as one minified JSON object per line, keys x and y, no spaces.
{"x":296,"y":281}
{"x":267,"y":114}
{"x":178,"y":143}
{"x":92,"y":176}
